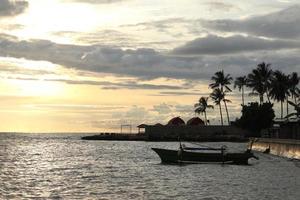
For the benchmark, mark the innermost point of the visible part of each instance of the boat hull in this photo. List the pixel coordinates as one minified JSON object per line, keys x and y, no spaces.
{"x":188,"y":157}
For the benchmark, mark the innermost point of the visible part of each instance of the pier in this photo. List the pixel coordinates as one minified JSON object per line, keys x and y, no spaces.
{"x":288,"y":148}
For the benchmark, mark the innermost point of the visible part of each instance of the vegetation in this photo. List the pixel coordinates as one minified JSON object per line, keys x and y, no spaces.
{"x":256,"y":117}
{"x":201,"y":107}
{"x":263,"y":82}
{"x":297,"y":109}
{"x":259,"y":80}
{"x":217,"y":95}
{"x":279,"y":89}
{"x":221,"y":81}
{"x":240,"y":83}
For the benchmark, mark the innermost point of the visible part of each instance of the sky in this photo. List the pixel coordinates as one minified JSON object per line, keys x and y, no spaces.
{"x":92,"y":65}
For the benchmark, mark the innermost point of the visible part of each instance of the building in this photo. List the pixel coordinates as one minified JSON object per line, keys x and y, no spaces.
{"x":194,"y":129}
{"x":286,"y":129}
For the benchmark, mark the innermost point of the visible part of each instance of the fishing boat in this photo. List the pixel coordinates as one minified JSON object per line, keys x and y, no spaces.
{"x":190,"y":155}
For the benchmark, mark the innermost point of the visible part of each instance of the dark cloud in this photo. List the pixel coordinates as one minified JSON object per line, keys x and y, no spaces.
{"x":281,"y":24}
{"x":146,"y":64}
{"x":115,"y":86}
{"x":10,"y":8}
{"x":214,"y":45}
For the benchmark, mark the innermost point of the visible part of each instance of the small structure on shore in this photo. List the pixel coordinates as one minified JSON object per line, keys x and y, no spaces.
{"x":195,"y":121}
{"x":176,"y":121}
{"x":194,"y":130}
{"x":141,"y":128}
{"x":285,"y":129}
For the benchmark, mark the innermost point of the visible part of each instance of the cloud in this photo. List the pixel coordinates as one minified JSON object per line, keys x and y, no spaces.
{"x":104,"y":37}
{"x":115,"y":86}
{"x":146,"y":64}
{"x":215,"y":5}
{"x":95,"y":1}
{"x":214,"y":45}
{"x":163,"y":109}
{"x":280,"y":24}
{"x":10,"y":8}
{"x":178,"y":93}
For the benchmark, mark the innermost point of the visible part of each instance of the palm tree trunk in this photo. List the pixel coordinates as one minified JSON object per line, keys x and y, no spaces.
{"x":243,"y":96}
{"x":261,"y":98}
{"x":221,"y":113}
{"x":281,"y":103}
{"x":205,"y":118}
{"x":227,"y":112}
{"x":268,"y":97}
{"x":287,"y":105}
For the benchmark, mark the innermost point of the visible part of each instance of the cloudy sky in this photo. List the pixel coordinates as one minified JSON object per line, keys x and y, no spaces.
{"x":92,"y":65}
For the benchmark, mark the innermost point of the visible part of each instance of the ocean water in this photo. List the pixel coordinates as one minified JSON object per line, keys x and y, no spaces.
{"x":61,"y":166}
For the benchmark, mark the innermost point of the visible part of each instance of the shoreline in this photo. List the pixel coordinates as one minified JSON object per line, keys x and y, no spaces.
{"x":143,"y":137}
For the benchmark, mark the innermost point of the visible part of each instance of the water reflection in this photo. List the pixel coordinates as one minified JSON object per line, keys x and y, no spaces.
{"x":55,"y":166}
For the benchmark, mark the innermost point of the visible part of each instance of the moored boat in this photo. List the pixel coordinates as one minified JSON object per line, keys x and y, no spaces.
{"x":203,"y":155}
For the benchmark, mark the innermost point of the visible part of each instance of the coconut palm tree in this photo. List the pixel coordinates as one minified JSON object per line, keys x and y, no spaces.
{"x":240,"y":83}
{"x":259,"y":80}
{"x":222,"y":81}
{"x":279,"y":89}
{"x":294,"y":90}
{"x":201,"y":107}
{"x":297,"y":109}
{"x":217,"y":95}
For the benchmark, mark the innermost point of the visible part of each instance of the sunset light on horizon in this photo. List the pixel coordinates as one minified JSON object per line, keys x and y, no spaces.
{"x":93,"y":65}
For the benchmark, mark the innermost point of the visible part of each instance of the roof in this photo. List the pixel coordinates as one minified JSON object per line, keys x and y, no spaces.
{"x":158,"y":124}
{"x":142,"y":126}
{"x":195,"y":121}
{"x":176,"y":121}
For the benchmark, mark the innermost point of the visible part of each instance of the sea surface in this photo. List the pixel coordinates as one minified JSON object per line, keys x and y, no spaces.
{"x":61,"y":166}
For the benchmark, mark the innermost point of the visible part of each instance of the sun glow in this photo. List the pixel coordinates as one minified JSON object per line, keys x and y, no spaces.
{"x":39,"y":88}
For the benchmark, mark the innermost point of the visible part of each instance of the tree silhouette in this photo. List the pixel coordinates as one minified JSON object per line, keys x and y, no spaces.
{"x":201,"y":107}
{"x":259,"y":81}
{"x":279,"y":89}
{"x":222,"y":81}
{"x":217,"y":95}
{"x":240,"y":83}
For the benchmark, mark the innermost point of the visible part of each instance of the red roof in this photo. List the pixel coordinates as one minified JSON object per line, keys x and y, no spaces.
{"x":195,"y":121}
{"x":142,"y":126}
{"x":176,"y":121}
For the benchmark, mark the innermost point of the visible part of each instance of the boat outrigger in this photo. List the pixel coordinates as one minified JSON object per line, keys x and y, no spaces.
{"x":189,"y":155}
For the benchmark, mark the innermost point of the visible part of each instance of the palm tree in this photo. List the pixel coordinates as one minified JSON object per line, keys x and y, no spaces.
{"x":279,"y":89}
{"x":222,"y":81}
{"x":201,"y":107}
{"x":294,"y":90}
{"x":217,"y":95}
{"x":240,"y":82}
{"x":297,"y":109}
{"x":259,"y":80}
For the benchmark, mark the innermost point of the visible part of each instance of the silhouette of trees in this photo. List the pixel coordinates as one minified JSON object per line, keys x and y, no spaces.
{"x":279,"y":88}
{"x":222,"y":81}
{"x":259,"y":81}
{"x":256,"y":117}
{"x":240,"y":83}
{"x":262,"y":81}
{"x":217,"y":95}
{"x":201,"y":107}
